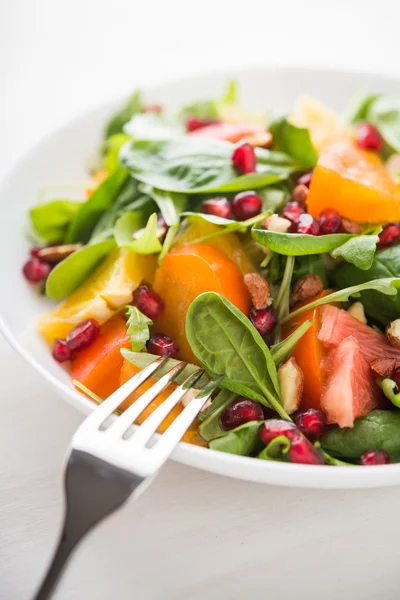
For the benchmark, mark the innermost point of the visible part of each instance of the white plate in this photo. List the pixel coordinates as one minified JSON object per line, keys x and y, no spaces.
{"x":62,"y":157}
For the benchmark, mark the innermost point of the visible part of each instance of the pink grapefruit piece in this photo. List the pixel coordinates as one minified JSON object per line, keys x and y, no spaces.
{"x":230,"y":132}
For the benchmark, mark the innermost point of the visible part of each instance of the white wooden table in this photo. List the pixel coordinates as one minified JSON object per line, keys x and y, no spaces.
{"x":192,"y":535}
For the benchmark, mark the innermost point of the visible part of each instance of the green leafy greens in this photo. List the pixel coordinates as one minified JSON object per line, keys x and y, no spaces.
{"x":51,"y":220}
{"x":117,"y":122}
{"x":129,"y":224}
{"x":138,"y":328}
{"x":294,"y":141}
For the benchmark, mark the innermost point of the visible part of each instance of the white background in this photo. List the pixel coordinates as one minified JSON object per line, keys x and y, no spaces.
{"x":192,"y":535}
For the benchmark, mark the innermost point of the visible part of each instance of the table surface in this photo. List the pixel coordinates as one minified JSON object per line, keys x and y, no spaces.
{"x":192,"y":535}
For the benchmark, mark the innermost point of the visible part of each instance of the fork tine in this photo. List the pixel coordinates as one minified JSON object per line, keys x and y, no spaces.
{"x":110,"y":404}
{"x":153,"y":421}
{"x":125,"y":420}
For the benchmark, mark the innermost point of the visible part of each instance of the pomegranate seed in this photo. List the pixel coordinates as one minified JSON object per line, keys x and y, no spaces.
{"x":83,"y":335}
{"x":60,"y":351}
{"x":153,"y":108}
{"x":193,"y":123}
{"x":367,"y":137}
{"x":161,"y":221}
{"x":219,"y":207}
{"x":375,"y":457}
{"x":162,"y":345}
{"x":305,"y":179}
{"x":264,"y":319}
{"x":148,"y":302}
{"x":329,"y":221}
{"x":34,"y":251}
{"x":35,"y":270}
{"x":307,"y":225}
{"x":273,"y":428}
{"x":241,"y":411}
{"x":246,"y":205}
{"x":396,"y":376}
{"x":293,"y":211}
{"x":389,"y":235}
{"x":312,"y":423}
{"x":244,"y":159}
{"x":303,"y":452}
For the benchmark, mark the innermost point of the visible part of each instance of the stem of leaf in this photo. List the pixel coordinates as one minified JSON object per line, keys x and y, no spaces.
{"x":276,"y":405}
{"x":282,"y":299}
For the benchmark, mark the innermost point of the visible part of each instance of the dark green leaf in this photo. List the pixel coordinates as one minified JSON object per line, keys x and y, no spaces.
{"x":111,"y":148}
{"x":116,"y":124}
{"x":284,"y":349}
{"x":305,"y":265}
{"x":69,"y":274}
{"x":51,"y":220}
{"x":359,"y":107}
{"x":298,"y":244}
{"x":211,"y":428}
{"x":359,"y":251}
{"x":294,"y":141}
{"x":138,"y":328}
{"x":130,"y":223}
{"x":170,"y":204}
{"x":384,"y":113}
{"x":220,"y":400}
{"x":242,"y":441}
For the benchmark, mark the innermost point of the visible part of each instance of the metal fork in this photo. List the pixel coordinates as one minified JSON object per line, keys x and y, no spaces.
{"x":109,"y":461}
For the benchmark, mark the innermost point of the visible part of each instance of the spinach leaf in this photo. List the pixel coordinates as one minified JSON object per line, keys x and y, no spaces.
{"x":284,"y":349}
{"x":117,"y":122}
{"x":84,"y":221}
{"x":294,"y":141}
{"x":210,"y":109}
{"x":211,"y":428}
{"x":227,"y":345}
{"x":188,"y":165}
{"x":299,"y":244}
{"x":384,"y":113}
{"x":387,"y":285}
{"x":170,"y":204}
{"x":130,"y":223}
{"x":220,"y":400}
{"x":69,"y":274}
{"x":379,"y":430}
{"x":50,"y":221}
{"x":243,"y":440}
{"x":152,"y":126}
{"x":359,"y":251}
{"x":138,"y":328}
{"x":111,"y":148}
{"x":359,"y":107}
{"x":277,"y":449}
{"x":377,"y":306}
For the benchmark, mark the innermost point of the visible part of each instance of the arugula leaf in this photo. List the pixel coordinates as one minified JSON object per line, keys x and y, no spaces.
{"x":146,"y":243}
{"x":384,"y":113}
{"x":299,"y":244}
{"x":387,"y":285}
{"x":282,"y":301}
{"x":243,"y":440}
{"x":359,"y":251}
{"x":190,"y":166}
{"x":51,"y":220}
{"x":69,"y":274}
{"x":226,"y":344}
{"x":117,"y":122}
{"x":227,"y":225}
{"x":84,"y":221}
{"x":111,"y":148}
{"x":138,"y":327}
{"x":294,"y":141}
{"x":152,"y":126}
{"x":284,"y":349}
{"x":210,"y":428}
{"x":170,"y":204}
{"x":379,"y":430}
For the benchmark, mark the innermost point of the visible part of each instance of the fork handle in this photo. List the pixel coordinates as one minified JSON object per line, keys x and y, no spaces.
{"x":92,"y":491}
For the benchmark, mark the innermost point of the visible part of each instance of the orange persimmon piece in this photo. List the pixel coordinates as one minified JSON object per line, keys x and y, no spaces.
{"x":355,"y":183}
{"x":98,"y":366}
{"x":185,"y":273}
{"x":127,"y":371}
{"x":230,"y":132}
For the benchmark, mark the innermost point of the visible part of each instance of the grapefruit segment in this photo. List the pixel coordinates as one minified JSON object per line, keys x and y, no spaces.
{"x":229,"y":132}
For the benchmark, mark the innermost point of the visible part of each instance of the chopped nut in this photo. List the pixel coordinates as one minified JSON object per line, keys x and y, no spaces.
{"x":276,"y":223}
{"x":55,"y":254}
{"x":262,"y":139}
{"x":306,"y":287}
{"x":384,"y":367}
{"x":349,"y":226}
{"x":356,"y":310}
{"x":291,"y":382}
{"x":189,"y":396}
{"x":258,"y":289}
{"x":300,"y":193}
{"x":393,"y":333}
{"x":161,"y":232}
{"x":393,"y":166}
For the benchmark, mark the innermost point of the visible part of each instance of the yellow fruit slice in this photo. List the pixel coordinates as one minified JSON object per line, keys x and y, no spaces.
{"x":106,"y":290}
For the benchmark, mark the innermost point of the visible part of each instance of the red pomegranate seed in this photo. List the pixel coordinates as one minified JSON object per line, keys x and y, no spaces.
{"x":293,"y":211}
{"x":389,"y":235}
{"x":153,"y":108}
{"x":83,"y":335}
{"x":305,"y":179}
{"x":193,"y":123}
{"x":303,"y":452}
{"x":161,"y":221}
{"x":307,"y":225}
{"x":329,"y":221}
{"x":273,"y":428}
{"x":60,"y":351}
{"x":162,"y":345}
{"x":34,"y":251}
{"x":312,"y":423}
{"x":35,"y":270}
{"x":246,"y":205}
{"x":148,"y":302}
{"x":241,"y":411}
{"x":219,"y":207}
{"x":367,"y":137}
{"x":375,"y":457}
{"x":264,"y":319}
{"x":396,"y":376}
{"x":244,"y":159}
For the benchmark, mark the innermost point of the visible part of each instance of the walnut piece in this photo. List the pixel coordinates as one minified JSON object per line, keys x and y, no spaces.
{"x":349,"y":226}
{"x":291,"y":382}
{"x":306,"y":287}
{"x":55,"y":254}
{"x":276,"y":223}
{"x":258,"y":290}
{"x":356,"y":310}
{"x":393,"y":333}
{"x":261,"y":139}
{"x":300,"y":193}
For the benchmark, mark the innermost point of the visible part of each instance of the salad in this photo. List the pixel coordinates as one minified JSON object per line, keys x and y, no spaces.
{"x":264,"y":248}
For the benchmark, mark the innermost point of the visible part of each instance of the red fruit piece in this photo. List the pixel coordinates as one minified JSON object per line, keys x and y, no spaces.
{"x":273,"y":428}
{"x":293,"y":211}
{"x":246,"y":205}
{"x":148,"y":302}
{"x":311,"y":423}
{"x":219,"y":207}
{"x":153,"y":108}
{"x":375,"y":457}
{"x":389,"y":235}
{"x":302,"y":452}
{"x":242,"y":410}
{"x":264,"y":319}
{"x":162,"y":345}
{"x":329,"y":221}
{"x":305,"y":179}
{"x":192,"y":123}
{"x":35,"y":270}
{"x":83,"y":335}
{"x":367,"y":137}
{"x":307,"y":225}
{"x":396,"y":376}
{"x":60,"y":351}
{"x":244,"y":159}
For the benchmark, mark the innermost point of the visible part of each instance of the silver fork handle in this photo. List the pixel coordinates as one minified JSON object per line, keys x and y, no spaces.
{"x":102,"y":489}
